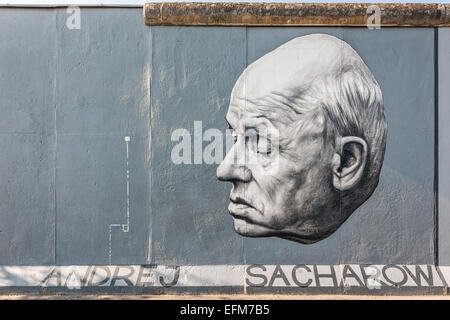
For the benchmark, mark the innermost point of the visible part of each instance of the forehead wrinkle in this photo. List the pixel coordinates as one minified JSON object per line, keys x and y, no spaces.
{"x":293,"y":101}
{"x":282,"y":107}
{"x":271,"y":107}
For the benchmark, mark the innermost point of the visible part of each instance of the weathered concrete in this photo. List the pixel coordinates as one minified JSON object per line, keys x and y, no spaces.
{"x":27,"y":139}
{"x":293,"y":14}
{"x":102,"y":94}
{"x":194,"y":70}
{"x":443,"y":81}
{"x":70,"y":97}
{"x":223,"y":297}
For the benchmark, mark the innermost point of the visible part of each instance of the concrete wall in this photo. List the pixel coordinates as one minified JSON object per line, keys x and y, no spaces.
{"x":70,"y":97}
{"x":443,"y":83}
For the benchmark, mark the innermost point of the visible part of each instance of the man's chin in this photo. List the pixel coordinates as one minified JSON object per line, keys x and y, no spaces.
{"x":248,"y":229}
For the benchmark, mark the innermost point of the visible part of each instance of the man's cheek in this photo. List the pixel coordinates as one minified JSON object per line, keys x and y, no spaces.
{"x":280,"y":217}
{"x":270,"y":166}
{"x":265,"y":168}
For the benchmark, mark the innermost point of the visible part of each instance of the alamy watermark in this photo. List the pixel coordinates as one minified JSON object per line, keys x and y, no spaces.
{"x":73,"y":21}
{"x":253,"y":146}
{"x":374,"y":20}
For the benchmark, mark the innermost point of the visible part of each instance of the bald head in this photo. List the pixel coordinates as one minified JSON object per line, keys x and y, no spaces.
{"x":292,"y":67}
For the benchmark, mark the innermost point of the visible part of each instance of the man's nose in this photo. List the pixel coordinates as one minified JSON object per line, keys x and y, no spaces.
{"x":229,"y":170}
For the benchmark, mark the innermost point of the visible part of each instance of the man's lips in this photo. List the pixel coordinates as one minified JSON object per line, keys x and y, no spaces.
{"x":239,"y":200}
{"x":241,"y":208}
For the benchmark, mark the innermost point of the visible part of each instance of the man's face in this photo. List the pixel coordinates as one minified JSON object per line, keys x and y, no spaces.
{"x":292,"y":175}
{"x":280,"y":167}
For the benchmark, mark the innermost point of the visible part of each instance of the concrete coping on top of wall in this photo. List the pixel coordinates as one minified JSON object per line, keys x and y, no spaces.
{"x":295,"y":14}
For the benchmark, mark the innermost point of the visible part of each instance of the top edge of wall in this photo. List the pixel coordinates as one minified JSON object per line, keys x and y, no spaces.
{"x":295,"y":14}
{"x":50,"y":6}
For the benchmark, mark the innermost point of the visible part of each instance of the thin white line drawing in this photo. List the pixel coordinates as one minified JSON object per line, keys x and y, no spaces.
{"x":125,"y":227}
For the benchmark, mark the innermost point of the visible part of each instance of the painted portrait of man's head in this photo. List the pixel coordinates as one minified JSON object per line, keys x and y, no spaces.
{"x":310,"y":131}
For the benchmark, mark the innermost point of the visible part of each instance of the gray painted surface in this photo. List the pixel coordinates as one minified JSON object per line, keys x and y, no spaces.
{"x":396,"y":223}
{"x":194,"y":70}
{"x":27,"y":162}
{"x":444,"y":145}
{"x":102,"y":92}
{"x":69,"y":97}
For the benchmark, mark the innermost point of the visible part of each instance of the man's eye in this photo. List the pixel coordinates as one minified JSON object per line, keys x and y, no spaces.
{"x":234,"y":136}
{"x":263,"y":145}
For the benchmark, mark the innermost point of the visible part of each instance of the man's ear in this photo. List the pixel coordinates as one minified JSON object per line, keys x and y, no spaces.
{"x":349,"y":162}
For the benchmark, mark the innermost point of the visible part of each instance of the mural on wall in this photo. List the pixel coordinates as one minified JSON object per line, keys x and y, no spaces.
{"x":310,"y":133}
{"x":84,"y":208}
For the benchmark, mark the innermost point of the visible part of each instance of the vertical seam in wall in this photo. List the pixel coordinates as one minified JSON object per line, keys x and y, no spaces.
{"x":436,"y":147}
{"x":55,"y":97}
{"x":150,"y":150}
